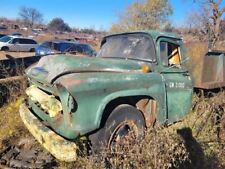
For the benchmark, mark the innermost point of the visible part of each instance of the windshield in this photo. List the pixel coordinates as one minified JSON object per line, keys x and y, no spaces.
{"x":134,"y":46}
{"x":5,"y":39}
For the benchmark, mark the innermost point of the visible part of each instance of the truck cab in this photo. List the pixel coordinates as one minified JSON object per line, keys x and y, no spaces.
{"x":136,"y":80}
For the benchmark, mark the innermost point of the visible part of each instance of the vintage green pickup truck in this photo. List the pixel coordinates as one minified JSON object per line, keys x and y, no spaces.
{"x":137,"y":79}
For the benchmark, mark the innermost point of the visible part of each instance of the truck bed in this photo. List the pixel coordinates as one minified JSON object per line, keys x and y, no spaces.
{"x":207,"y":68}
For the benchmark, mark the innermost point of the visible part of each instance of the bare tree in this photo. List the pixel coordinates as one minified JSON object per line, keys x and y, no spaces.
{"x":209,"y":19}
{"x":216,"y":17}
{"x":30,"y":16}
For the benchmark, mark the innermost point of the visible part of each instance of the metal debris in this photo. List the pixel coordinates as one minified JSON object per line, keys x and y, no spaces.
{"x":24,"y":158}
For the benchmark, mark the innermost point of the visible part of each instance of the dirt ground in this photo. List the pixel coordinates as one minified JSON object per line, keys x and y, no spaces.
{"x":18,"y":149}
{"x":6,"y":55}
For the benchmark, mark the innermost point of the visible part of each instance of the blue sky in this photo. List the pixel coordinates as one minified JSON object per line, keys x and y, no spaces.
{"x":99,"y":14}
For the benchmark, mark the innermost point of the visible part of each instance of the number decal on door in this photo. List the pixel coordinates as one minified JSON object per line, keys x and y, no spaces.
{"x":176,"y":85}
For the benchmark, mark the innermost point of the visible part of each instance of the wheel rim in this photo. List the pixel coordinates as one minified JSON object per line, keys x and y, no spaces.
{"x":123,"y":135}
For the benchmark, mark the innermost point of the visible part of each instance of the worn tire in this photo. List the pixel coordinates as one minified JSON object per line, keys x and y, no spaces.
{"x":5,"y":48}
{"x":123,"y":114}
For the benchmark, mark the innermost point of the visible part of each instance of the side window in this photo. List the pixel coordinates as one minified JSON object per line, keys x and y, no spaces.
{"x":55,"y":46}
{"x":78,"y":48}
{"x":30,"y":41}
{"x":14,"y":41}
{"x":170,"y":54}
{"x":65,"y":47}
{"x":81,"y":49}
{"x":27,"y":41}
{"x":22,"y":41}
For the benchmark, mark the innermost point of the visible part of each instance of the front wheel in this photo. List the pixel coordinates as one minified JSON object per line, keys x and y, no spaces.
{"x":124,"y":126}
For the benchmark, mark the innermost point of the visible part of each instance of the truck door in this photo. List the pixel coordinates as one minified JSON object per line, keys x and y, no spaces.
{"x":178,"y":83}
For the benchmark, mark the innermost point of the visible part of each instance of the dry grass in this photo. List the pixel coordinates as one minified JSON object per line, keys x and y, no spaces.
{"x":159,"y":149}
{"x":204,"y":122}
{"x":10,"y":122}
{"x":192,"y":143}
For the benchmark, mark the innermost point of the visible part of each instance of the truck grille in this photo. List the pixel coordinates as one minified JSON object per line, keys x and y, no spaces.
{"x":48,"y":102}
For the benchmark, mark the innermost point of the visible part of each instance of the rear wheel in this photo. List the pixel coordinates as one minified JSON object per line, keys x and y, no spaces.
{"x":124,"y":126}
{"x":5,"y":48}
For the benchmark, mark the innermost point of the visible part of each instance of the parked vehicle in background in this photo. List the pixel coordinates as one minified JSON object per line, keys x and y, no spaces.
{"x":17,"y":43}
{"x":1,"y":35}
{"x":3,"y":27}
{"x":69,"y":39}
{"x":16,"y":34}
{"x":61,"y":46}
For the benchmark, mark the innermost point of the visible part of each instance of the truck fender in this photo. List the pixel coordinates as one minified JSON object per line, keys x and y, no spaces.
{"x":126,"y":94}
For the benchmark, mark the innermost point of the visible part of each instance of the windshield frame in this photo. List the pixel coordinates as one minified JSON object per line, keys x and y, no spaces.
{"x":154,"y":60}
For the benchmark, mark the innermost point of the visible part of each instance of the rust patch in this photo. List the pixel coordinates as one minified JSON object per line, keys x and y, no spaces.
{"x":149,"y":109}
{"x":70,"y":82}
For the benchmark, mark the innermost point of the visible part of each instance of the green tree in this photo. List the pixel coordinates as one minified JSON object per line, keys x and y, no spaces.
{"x":58,"y":24}
{"x":147,"y":14}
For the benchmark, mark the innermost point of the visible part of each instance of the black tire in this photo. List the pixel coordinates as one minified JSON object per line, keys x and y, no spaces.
{"x":124,"y":118}
{"x":5,"y":48}
{"x":32,"y":50}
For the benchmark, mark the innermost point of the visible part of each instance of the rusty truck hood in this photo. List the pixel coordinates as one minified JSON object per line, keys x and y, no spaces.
{"x":49,"y":68}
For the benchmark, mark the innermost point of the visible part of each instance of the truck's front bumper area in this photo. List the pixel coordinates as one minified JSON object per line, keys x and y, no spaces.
{"x":59,"y":147}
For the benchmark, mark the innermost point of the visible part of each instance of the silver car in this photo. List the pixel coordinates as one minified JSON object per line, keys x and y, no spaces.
{"x":17,"y":43}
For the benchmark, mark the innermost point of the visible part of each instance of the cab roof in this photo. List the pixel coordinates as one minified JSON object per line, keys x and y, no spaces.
{"x":154,"y":34}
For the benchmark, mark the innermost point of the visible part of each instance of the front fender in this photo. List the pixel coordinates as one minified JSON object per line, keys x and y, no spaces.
{"x":93,"y":93}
